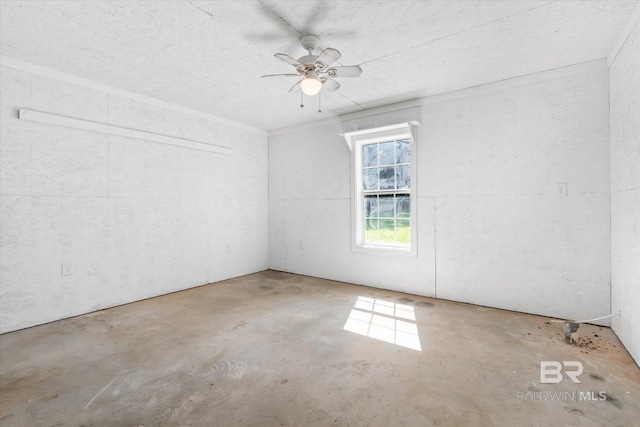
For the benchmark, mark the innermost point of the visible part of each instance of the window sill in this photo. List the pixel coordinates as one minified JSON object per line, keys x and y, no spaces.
{"x":386,"y":250}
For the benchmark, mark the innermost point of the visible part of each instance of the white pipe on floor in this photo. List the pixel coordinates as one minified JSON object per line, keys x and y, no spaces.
{"x":587,"y":321}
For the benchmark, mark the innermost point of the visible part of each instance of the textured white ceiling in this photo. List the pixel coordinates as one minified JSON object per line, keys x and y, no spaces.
{"x":209,"y":55}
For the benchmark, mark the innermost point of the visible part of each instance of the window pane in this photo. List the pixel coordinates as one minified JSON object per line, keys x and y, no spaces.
{"x":387,"y":178}
{"x":385,"y":151}
{"x":371,"y":224}
{"x":370,"y":206}
{"x":387,"y":231}
{"x":403,"y":151}
{"x":403,"y":177}
{"x":371,"y":232}
{"x":370,"y":155}
{"x":403,"y":206}
{"x":370,"y":179}
{"x":403,"y":231}
{"x":386,"y":206}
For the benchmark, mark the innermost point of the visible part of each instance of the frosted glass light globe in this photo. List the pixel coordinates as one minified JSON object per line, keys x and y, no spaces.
{"x":310,"y":85}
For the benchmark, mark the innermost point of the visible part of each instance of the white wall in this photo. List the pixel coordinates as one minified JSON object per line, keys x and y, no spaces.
{"x":625,"y":192}
{"x":492,"y":228}
{"x":135,"y":218}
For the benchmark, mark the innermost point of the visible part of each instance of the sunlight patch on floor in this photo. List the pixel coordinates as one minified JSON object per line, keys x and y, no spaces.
{"x":384,"y":321}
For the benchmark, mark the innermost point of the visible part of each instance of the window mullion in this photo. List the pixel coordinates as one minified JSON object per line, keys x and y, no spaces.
{"x":374,"y":192}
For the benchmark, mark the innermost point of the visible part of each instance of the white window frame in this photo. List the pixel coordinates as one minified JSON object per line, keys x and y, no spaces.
{"x":355,"y":141}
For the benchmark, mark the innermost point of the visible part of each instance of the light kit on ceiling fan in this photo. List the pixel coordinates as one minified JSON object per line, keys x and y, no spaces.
{"x":317,"y":71}
{"x":311,"y":85}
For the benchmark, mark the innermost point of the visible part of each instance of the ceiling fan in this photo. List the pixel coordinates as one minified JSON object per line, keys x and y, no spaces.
{"x":317,"y":71}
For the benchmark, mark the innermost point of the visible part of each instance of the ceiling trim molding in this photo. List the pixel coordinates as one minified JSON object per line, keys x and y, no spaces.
{"x":527,"y":79}
{"x":28,"y":67}
{"x":634,"y":19}
{"x":107,"y":129}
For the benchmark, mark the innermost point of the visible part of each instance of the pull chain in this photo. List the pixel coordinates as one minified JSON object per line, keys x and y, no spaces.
{"x":319,"y":110}
{"x":301,"y":100}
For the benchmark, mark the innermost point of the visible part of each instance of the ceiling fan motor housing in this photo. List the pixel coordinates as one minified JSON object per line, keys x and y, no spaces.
{"x":308,"y":60}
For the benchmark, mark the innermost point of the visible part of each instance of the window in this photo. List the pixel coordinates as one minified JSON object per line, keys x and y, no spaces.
{"x":383,"y":190}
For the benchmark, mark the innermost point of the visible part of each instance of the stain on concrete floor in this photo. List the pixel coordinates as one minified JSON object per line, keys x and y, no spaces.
{"x":269,"y":349}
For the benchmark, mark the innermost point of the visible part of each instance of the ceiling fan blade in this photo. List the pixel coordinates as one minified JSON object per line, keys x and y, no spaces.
{"x":327,"y":57}
{"x":295,"y":87}
{"x":346,"y":71}
{"x":276,"y":75}
{"x":330,"y":84}
{"x":289,"y":60}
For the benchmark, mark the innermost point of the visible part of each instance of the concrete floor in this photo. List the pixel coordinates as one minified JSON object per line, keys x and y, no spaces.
{"x":271,"y":349}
